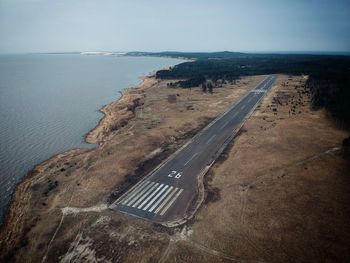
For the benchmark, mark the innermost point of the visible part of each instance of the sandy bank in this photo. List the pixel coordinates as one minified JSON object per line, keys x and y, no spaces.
{"x":118,"y":113}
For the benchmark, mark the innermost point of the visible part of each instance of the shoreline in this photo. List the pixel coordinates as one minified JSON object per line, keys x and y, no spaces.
{"x":94,"y":136}
{"x":142,"y":117}
{"x":129,"y":99}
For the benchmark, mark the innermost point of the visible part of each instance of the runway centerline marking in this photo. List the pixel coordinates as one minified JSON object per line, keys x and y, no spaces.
{"x":225,"y":124}
{"x":191,"y":158}
{"x":212,"y":137}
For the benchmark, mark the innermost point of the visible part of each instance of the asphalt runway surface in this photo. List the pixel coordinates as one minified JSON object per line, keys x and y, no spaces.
{"x":169,"y":192}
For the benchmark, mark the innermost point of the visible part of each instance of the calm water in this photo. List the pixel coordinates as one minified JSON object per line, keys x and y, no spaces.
{"x":49,"y":102}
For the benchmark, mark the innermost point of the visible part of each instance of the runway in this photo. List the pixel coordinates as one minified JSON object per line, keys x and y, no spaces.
{"x":169,"y":192}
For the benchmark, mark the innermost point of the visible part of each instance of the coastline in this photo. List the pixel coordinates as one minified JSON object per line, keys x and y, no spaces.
{"x":116,"y":114}
{"x":50,"y":185}
{"x":19,"y":195}
{"x":18,"y":167}
{"x":114,"y":111}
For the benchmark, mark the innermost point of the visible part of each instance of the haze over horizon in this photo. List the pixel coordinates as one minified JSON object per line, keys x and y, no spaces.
{"x":245,"y":26}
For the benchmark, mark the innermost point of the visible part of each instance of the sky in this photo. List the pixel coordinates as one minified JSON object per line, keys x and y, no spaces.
{"x":176,"y":25}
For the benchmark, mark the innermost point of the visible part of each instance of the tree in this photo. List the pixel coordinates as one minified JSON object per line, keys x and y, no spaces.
{"x":204,"y":87}
{"x":210,"y":87}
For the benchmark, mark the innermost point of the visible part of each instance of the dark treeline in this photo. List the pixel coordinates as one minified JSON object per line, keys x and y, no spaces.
{"x":191,"y":82}
{"x":232,"y":68}
{"x":329,"y":76}
{"x":331,"y":91}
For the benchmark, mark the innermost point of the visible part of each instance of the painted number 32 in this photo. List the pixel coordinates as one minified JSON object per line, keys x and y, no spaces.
{"x":175,"y":174}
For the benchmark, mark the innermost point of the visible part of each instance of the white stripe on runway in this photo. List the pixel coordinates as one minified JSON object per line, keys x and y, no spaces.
{"x":160,"y":199}
{"x":140,"y":194}
{"x":155,"y":198}
{"x":144,"y":195}
{"x":191,"y":158}
{"x":134,"y":192}
{"x":150,"y":196}
{"x":171,"y":202}
{"x":166,"y":200}
{"x":212,"y":137}
{"x":225,"y":124}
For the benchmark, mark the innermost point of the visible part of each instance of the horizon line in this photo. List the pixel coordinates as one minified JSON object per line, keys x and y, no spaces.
{"x":305,"y":52}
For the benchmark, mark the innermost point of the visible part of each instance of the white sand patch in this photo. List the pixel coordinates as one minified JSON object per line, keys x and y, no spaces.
{"x":154,"y":153}
{"x":75,"y":210}
{"x":81,"y":250}
{"x":102,"y":220}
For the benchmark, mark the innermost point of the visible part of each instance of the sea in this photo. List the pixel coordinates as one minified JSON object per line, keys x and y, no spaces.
{"x":48,"y":102}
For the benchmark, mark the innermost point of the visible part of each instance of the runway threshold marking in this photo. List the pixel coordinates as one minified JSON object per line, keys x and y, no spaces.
{"x":171,"y":202}
{"x":166,"y":201}
{"x":259,"y":90}
{"x":152,"y":197}
{"x":155,"y":198}
{"x":161,"y":198}
{"x":143,"y":195}
{"x":134,"y":192}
